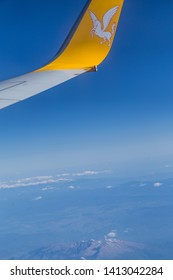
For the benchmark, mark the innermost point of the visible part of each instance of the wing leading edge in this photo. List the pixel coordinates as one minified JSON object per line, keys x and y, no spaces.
{"x":85,"y":48}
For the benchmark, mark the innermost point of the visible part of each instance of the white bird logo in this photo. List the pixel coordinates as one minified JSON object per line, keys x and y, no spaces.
{"x":99,"y":28}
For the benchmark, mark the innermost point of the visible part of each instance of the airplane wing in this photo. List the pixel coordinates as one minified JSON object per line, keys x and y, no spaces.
{"x":83,"y":50}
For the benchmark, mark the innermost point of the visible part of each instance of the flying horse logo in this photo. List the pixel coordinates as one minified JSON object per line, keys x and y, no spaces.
{"x":99,"y":28}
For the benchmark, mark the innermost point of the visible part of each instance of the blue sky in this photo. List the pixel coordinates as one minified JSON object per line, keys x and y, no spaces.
{"x":119,"y":118}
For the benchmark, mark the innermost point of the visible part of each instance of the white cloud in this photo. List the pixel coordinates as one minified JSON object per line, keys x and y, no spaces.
{"x":37,"y":198}
{"x":85,"y":173}
{"x":142,"y":185}
{"x":73,"y":187}
{"x":47,"y":188}
{"x":46,"y":180}
{"x":158,"y":184}
{"x":109,"y":187}
{"x":32,"y":181}
{"x":90,"y":172}
{"x":65,"y":174}
{"x":111,"y":236}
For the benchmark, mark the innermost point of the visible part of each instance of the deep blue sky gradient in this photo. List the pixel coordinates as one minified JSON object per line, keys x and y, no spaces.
{"x":119,"y":118}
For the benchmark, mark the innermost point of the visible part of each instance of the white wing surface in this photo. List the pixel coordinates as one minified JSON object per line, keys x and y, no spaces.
{"x":25,"y":86}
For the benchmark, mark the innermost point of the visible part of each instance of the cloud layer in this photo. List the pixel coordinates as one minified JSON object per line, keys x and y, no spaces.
{"x":47,"y":180}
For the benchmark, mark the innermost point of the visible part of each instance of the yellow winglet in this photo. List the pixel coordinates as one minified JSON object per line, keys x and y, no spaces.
{"x":91,"y":38}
